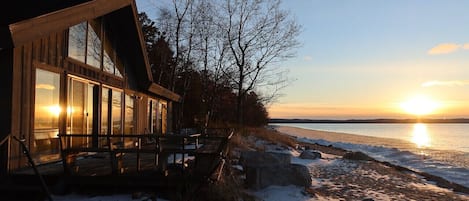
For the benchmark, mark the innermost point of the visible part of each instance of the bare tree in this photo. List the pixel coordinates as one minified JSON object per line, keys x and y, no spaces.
{"x":240,"y":41}
{"x":178,"y":21}
{"x":212,"y":49}
{"x":259,"y":35}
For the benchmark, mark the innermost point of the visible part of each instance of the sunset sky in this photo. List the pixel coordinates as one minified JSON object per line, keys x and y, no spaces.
{"x":365,"y":58}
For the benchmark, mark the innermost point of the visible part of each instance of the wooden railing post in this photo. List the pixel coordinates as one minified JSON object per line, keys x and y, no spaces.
{"x":5,"y":155}
{"x":138,"y":153}
{"x":33,"y":165}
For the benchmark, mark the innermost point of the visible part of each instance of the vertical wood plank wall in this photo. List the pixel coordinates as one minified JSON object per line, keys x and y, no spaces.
{"x":50,"y":53}
{"x":48,"y":50}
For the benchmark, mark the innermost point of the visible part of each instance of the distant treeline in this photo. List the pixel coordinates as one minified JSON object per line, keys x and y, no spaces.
{"x":457,"y":120}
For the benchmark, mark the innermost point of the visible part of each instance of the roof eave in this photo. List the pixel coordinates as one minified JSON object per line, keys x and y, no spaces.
{"x":43,"y":25}
{"x":166,"y":93}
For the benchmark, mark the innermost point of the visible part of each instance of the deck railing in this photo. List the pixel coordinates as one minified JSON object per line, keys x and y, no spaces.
{"x":161,"y":146}
{"x":4,"y":148}
{"x":6,"y":139}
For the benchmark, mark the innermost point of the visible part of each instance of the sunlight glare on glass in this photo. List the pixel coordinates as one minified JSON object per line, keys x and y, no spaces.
{"x":54,"y":110}
{"x":419,"y":105}
{"x":420,"y":135}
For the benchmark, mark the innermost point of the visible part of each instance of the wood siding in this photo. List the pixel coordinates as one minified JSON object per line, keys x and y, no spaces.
{"x":46,"y":53}
{"x":41,"y":42}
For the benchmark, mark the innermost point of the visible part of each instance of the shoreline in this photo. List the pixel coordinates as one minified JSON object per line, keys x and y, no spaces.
{"x":373,"y":121}
{"x":299,"y":133}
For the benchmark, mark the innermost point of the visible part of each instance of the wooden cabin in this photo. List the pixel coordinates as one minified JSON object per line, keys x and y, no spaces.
{"x":74,"y":67}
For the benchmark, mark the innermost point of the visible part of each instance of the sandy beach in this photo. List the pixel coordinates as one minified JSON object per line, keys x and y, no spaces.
{"x":340,"y":137}
{"x":336,"y":178}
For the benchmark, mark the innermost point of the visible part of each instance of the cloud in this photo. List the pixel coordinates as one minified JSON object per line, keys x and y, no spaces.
{"x":466,"y":46}
{"x":445,"y":48}
{"x":448,"y":83}
{"x":307,"y":58}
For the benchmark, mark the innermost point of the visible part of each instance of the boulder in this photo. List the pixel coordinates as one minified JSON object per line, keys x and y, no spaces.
{"x":312,"y":155}
{"x":264,"y":159}
{"x":265,"y":169}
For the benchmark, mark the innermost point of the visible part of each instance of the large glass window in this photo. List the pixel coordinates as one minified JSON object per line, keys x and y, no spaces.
{"x":116,"y":112}
{"x":46,"y":116}
{"x":162,"y":117}
{"x":129,"y":115}
{"x":80,"y":111}
{"x":93,"y":47}
{"x":77,"y":42}
{"x":88,"y":44}
{"x":105,"y":111}
{"x":152,"y":116}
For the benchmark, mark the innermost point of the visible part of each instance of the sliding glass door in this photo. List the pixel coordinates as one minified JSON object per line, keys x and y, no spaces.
{"x":81,"y":111}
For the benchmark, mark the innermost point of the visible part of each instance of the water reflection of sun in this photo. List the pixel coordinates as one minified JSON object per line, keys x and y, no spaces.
{"x":420,"y":135}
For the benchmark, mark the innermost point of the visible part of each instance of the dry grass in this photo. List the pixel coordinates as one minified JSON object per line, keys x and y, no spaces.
{"x":272,"y":136}
{"x":230,"y":187}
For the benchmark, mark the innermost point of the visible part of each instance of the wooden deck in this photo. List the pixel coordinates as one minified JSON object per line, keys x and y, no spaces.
{"x":165,"y":163}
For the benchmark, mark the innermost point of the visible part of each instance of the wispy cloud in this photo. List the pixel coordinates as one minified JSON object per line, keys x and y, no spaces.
{"x":445,"y":48}
{"x":447,"y":83}
{"x":307,"y":58}
{"x":466,"y":46}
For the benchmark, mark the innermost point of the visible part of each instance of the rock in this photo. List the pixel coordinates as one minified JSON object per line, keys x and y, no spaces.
{"x":293,"y":174}
{"x":312,"y":155}
{"x":265,"y":169}
{"x":264,"y":159}
{"x":357,"y":156}
{"x":368,"y":199}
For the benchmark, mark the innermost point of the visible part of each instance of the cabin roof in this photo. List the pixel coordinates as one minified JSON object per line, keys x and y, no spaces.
{"x":27,"y":20}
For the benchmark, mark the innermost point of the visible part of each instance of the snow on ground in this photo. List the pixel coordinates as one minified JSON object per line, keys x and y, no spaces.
{"x":447,"y":164}
{"x":290,"y":193}
{"x":282,"y":193}
{"x":123,"y":197}
{"x":334,"y":178}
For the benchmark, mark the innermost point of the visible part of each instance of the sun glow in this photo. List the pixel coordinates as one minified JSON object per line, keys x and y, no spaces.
{"x":420,"y":105}
{"x":54,"y":110}
{"x":420,"y":135}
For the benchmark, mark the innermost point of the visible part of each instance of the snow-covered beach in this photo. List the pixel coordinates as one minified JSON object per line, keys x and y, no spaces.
{"x":399,"y":152}
{"x":335,"y":178}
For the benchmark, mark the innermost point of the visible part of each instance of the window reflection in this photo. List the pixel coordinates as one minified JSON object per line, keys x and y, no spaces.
{"x":129,"y":115}
{"x":116,"y":112}
{"x":77,"y":42}
{"x":152,"y":120}
{"x":46,"y":116}
{"x":80,"y":111}
{"x":163,"y":116}
{"x":86,"y":45}
{"x":93,"y":51}
{"x":104,"y":111}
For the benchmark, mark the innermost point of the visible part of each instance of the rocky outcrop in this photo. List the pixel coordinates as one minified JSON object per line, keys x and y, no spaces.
{"x":312,"y":155}
{"x":264,"y":169}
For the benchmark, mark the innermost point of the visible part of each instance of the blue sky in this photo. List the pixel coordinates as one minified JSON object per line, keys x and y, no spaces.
{"x":363,"y":58}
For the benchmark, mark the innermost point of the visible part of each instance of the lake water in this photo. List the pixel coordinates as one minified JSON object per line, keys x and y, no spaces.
{"x":433,"y":136}
{"x":439,"y":149}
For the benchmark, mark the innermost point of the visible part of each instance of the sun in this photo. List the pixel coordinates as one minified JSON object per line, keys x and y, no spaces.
{"x":420,"y":105}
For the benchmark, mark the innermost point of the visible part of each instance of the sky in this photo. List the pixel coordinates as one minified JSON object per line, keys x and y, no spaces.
{"x":371,"y":58}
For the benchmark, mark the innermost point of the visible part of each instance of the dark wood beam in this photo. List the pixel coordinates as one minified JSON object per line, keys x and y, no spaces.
{"x":157,"y":89}
{"x":41,"y":26}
